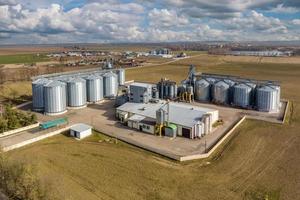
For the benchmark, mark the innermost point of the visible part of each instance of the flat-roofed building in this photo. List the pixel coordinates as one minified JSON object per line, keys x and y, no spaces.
{"x":191,"y":121}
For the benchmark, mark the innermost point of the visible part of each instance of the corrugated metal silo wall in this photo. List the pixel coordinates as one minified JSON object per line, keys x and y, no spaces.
{"x":202,"y":90}
{"x":267,"y":99}
{"x":121,"y":76}
{"x":110,"y":85}
{"x":221,"y":93}
{"x":38,"y":96}
{"x":242,"y":96}
{"x":55,"y":99}
{"x":77,"y":93}
{"x":94,"y":89}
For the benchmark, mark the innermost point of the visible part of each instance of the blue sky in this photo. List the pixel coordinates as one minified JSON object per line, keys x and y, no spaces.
{"x":63,"y":21}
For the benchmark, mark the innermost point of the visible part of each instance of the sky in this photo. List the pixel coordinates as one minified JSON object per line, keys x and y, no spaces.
{"x":113,"y":21}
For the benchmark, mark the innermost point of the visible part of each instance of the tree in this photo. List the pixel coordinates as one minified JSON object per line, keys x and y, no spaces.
{"x":3,"y":125}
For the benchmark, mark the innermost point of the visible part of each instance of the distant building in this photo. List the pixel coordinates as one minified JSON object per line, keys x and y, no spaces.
{"x":162,"y":52}
{"x":273,"y":53}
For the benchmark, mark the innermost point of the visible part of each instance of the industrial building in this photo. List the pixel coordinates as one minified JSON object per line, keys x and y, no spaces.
{"x":80,"y":131}
{"x":168,"y":118}
{"x":53,"y":94}
{"x":140,"y":92}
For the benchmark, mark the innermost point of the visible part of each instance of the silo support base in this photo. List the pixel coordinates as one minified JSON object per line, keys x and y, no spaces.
{"x":55,"y":114}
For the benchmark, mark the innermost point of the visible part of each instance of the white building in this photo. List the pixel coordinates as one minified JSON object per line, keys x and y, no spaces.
{"x":191,"y":121}
{"x":80,"y":131}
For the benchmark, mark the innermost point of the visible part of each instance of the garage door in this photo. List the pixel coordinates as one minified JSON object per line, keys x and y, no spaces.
{"x":186,"y":133}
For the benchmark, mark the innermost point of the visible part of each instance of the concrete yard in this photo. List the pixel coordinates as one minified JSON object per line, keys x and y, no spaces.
{"x":102,"y":117}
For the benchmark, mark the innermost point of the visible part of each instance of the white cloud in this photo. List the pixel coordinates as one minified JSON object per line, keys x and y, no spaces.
{"x":166,"y":18}
{"x":296,"y":21}
{"x":169,"y":20}
{"x":280,"y":8}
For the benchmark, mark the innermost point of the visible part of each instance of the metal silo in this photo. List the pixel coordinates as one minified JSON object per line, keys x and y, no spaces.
{"x":211,"y":80}
{"x":242,"y":95}
{"x":38,"y":94}
{"x":166,"y":91}
{"x":94,"y":88}
{"x":160,"y":117}
{"x":55,"y":98}
{"x":221,"y":92}
{"x":171,"y":91}
{"x":190,"y":89}
{"x":121,"y":76}
{"x":76,"y":92}
{"x":267,"y":99}
{"x":202,"y":90}
{"x":110,"y":84}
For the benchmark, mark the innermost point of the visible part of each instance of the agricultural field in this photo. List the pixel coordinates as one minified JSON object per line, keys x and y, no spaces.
{"x":23,"y":58}
{"x":260,"y":161}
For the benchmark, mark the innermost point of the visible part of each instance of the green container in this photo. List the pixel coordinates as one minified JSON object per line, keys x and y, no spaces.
{"x":53,"y":123}
{"x":171,"y":130}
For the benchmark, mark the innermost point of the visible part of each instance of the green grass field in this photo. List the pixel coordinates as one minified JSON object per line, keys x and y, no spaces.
{"x":260,"y":161}
{"x":20,"y":59}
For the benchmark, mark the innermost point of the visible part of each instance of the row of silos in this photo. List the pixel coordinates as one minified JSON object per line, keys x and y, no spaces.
{"x":167,"y":89}
{"x":54,"y":95}
{"x":242,"y":93}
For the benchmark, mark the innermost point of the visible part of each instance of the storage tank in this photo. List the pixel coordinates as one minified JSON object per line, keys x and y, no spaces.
{"x":160,"y":117}
{"x":202,"y":90}
{"x":94,"y":88}
{"x":160,"y":89}
{"x":110,"y":84}
{"x":55,"y":98}
{"x":221,"y":92}
{"x":267,"y":98}
{"x":242,"y":95}
{"x":190,"y":89}
{"x":76,"y":92}
{"x":38,"y":94}
{"x":166,"y":91}
{"x":121,"y":76}
{"x":155,"y":93}
{"x":172,"y":91}
{"x":211,"y":80}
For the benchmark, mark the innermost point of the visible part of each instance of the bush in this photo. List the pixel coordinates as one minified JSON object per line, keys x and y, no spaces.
{"x":13,"y":119}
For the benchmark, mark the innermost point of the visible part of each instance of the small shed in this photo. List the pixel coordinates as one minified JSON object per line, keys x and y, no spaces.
{"x":80,"y":131}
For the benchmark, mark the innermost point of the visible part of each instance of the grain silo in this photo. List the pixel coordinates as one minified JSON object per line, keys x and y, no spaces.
{"x":94,"y":88}
{"x":221,"y":92}
{"x":38,"y":94}
{"x":55,"y":98}
{"x":121,"y":76}
{"x":242,"y":95}
{"x":110,"y":84}
{"x":76,"y":89}
{"x":267,"y":98}
{"x":202,"y":90}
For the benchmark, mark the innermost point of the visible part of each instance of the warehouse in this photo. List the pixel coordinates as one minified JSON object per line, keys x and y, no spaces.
{"x":190,"y":121}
